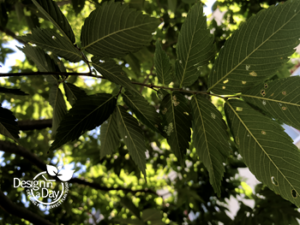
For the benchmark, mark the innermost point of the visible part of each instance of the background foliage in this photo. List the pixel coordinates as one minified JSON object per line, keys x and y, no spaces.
{"x":116,"y":182}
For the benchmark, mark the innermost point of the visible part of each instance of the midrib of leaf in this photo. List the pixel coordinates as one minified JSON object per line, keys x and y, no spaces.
{"x":138,"y":108}
{"x":50,"y":46}
{"x":272,"y":100}
{"x":186,"y":62}
{"x":128,"y":133}
{"x":10,"y":135}
{"x":259,"y":145}
{"x":222,"y":78}
{"x":206,"y":141}
{"x":87,"y":116}
{"x":74,"y":96}
{"x":115,"y":32}
{"x":50,"y":18}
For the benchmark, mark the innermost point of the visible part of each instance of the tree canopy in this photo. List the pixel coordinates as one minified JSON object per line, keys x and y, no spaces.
{"x":155,"y":106}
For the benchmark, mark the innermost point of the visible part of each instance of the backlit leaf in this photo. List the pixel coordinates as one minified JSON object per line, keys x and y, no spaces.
{"x":57,"y":101}
{"x":210,"y":139}
{"x":109,"y":135}
{"x":279,"y":98}
{"x":73,"y":93}
{"x":177,"y":123}
{"x":78,"y":5}
{"x":143,"y":110}
{"x":113,"y":30}
{"x":257,"y":50}
{"x":52,"y":41}
{"x":8,"y":124}
{"x":194,"y":47}
{"x":13,"y":91}
{"x":113,"y":72}
{"x":52,"y":12}
{"x":266,"y":149}
{"x":162,"y":65}
{"x":133,"y":137}
{"x":87,"y":113}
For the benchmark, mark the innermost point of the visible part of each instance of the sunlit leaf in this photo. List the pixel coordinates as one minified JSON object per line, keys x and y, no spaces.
{"x":52,"y":41}
{"x":8,"y":124}
{"x":127,"y":202}
{"x":266,"y":149}
{"x":162,"y":65}
{"x":279,"y":98}
{"x":257,"y":50}
{"x":109,"y":136}
{"x":177,"y":123}
{"x":194,"y":47}
{"x":52,"y":12}
{"x":210,"y":139}
{"x":87,"y":113}
{"x":128,"y":30}
{"x":133,"y":137}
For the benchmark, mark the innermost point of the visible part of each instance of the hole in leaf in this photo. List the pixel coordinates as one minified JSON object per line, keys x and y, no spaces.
{"x":248,"y":67}
{"x":253,"y":74}
{"x":266,"y":86}
{"x":213,"y":115}
{"x":294,"y":193}
{"x":53,"y":37}
{"x":225,"y":81}
{"x":274,"y":181}
{"x":263,"y":132}
{"x":263,"y":92}
{"x":186,"y":113}
{"x":264,"y":102}
{"x":223,"y":87}
{"x":244,"y":82}
{"x":284,"y":92}
{"x":239,"y":109}
{"x":101,"y":61}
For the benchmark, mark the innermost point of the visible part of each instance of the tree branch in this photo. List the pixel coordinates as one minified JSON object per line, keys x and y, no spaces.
{"x":20,"y":212}
{"x":34,"y":124}
{"x":21,"y":151}
{"x":12,"y":34}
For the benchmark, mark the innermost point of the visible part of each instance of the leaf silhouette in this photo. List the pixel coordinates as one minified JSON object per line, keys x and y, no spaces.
{"x":52,"y":170}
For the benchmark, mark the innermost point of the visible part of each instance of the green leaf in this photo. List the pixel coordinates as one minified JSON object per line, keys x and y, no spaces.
{"x":43,"y":62}
{"x":57,"y":101}
{"x":134,"y":63}
{"x":52,"y":41}
{"x":126,"y":202}
{"x":73,"y":93}
{"x":52,"y":12}
{"x":133,"y":137}
{"x":177,"y":123}
{"x":257,"y":50}
{"x":127,"y":30}
{"x":162,"y":65}
{"x":194,"y":47}
{"x":113,"y":72}
{"x":109,"y":136}
{"x":266,"y":149}
{"x":143,"y":110}
{"x":13,"y":91}
{"x":87,"y":113}
{"x":152,"y":215}
{"x":210,"y":139}
{"x":280,"y":99}
{"x":8,"y":124}
{"x":78,"y":5}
